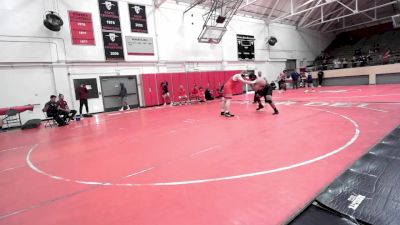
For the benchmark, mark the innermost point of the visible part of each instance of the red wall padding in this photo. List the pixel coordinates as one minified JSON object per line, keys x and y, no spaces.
{"x":150,"y":89}
{"x":152,"y":84}
{"x":211,"y":80}
{"x":191,"y":79}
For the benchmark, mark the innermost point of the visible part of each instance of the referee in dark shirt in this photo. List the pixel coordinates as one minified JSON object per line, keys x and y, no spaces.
{"x":83,"y":95}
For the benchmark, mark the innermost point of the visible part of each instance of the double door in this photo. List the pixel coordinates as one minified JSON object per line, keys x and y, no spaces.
{"x":111,"y":87}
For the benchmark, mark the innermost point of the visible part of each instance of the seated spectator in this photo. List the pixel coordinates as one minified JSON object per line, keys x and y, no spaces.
{"x":336,"y":64}
{"x":354,"y":62}
{"x":344,"y":63}
{"x":182,"y":95}
{"x":363,"y":60}
{"x":209,"y":94}
{"x":386,"y":57}
{"x":195,"y":93}
{"x":51,"y":110}
{"x":63,"y":106}
{"x":202,"y":95}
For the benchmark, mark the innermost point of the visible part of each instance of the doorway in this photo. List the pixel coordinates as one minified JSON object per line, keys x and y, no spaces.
{"x":111,"y":87}
{"x":290,"y":66}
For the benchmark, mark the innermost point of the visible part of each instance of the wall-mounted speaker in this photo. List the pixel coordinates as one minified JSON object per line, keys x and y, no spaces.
{"x":52,"y":21}
{"x":272,"y":41}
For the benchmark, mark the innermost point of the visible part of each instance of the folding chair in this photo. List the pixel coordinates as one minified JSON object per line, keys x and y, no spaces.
{"x":49,"y":121}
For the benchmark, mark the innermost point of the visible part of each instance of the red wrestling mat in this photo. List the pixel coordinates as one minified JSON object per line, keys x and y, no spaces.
{"x":188,"y":165}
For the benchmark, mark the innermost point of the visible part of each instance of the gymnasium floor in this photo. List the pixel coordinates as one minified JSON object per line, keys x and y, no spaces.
{"x":188,"y":165}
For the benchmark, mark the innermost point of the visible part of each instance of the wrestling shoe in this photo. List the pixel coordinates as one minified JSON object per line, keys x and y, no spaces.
{"x":228,"y":114}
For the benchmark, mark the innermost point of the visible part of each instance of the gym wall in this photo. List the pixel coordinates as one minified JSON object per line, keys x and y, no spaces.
{"x":29,"y":46}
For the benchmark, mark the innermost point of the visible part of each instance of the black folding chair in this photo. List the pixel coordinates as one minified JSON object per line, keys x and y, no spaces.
{"x":49,"y":121}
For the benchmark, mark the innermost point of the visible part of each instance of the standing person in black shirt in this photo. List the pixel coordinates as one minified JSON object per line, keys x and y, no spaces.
{"x":165,"y":92}
{"x":123,"y":93}
{"x":83,"y":95}
{"x":320,"y":78}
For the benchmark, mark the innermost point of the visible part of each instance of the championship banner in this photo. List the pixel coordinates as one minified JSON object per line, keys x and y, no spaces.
{"x":139,"y":46}
{"x":137,"y":15}
{"x":245,"y":47}
{"x":81,"y":28}
{"x":109,"y":15}
{"x":113,"y":47}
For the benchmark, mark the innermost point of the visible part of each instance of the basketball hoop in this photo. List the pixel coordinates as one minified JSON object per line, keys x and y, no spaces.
{"x":211,"y":35}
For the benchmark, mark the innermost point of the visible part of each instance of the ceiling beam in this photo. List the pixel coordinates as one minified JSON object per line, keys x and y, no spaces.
{"x":273,"y":10}
{"x":319,"y":19}
{"x":302,"y":11}
{"x":305,"y":17}
{"x":248,"y":2}
{"x":358,"y":24}
{"x":347,"y":7}
{"x":352,"y":14}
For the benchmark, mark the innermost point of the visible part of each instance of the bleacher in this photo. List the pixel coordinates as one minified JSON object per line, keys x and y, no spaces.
{"x":346,"y":44}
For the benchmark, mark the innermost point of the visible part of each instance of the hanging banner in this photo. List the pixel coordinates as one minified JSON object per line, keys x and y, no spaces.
{"x":113,"y":47}
{"x":137,"y":15}
{"x":81,"y":28}
{"x":109,"y":15}
{"x":139,"y":46}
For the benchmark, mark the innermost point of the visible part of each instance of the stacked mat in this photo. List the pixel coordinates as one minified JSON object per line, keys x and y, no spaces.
{"x":367,"y":193}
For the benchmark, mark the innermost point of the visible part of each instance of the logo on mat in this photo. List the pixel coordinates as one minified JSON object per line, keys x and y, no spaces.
{"x":108,"y":5}
{"x":355,"y":200}
{"x":137,"y":9}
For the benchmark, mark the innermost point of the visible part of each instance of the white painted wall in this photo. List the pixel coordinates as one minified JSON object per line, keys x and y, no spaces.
{"x":23,"y":86}
{"x":25,"y":40}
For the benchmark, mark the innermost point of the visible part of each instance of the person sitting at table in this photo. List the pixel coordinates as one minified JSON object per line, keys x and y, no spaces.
{"x":63,"y":106}
{"x":51,"y":110}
